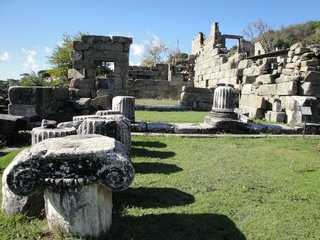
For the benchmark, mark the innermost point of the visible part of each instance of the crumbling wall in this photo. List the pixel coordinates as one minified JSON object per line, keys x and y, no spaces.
{"x":87,"y":54}
{"x":162,"y":80}
{"x":159,"y":72}
{"x":273,"y":86}
{"x":214,"y":64}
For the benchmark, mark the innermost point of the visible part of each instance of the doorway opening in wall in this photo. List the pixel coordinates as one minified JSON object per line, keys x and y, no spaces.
{"x":232,"y":46}
{"x":105,"y":69}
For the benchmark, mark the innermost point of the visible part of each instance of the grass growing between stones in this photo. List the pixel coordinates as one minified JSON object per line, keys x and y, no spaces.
{"x":228,"y":188}
{"x":218,"y":188}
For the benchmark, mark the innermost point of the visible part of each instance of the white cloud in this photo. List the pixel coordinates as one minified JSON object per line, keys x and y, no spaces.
{"x":60,"y":43}
{"x":155,"y":38}
{"x":48,"y":50}
{"x":137,"y":49}
{"x":30,"y":62}
{"x":5,"y":57}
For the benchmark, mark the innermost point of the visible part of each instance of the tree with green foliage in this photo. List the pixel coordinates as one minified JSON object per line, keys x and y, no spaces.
{"x":60,"y":58}
{"x":307,"y":33}
{"x":42,"y":78}
{"x":175,"y":54}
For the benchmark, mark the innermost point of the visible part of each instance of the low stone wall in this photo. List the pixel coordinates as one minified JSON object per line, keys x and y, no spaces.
{"x":38,"y":102}
{"x":146,"y":88}
{"x":197,"y":98}
{"x":160,"y":72}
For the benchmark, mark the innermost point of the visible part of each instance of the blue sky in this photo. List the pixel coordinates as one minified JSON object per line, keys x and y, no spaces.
{"x":30,"y":29}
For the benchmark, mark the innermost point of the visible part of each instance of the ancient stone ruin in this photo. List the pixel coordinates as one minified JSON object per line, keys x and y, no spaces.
{"x":92,"y":51}
{"x":273,"y":86}
{"x":76,"y":175}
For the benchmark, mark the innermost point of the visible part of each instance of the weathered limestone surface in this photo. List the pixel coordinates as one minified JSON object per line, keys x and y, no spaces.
{"x":275,"y":116}
{"x":80,"y":211}
{"x":12,"y":203}
{"x":274,"y":75}
{"x":41,"y":133}
{"x":294,"y":115}
{"x":74,"y":171}
{"x":116,"y":126}
{"x":86,"y":55}
{"x":125,"y":105}
{"x":224,"y":102}
{"x":10,"y":124}
{"x":36,"y":101}
{"x":160,"y":127}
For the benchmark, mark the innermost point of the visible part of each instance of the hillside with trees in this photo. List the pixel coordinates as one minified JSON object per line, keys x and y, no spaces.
{"x":271,"y":39}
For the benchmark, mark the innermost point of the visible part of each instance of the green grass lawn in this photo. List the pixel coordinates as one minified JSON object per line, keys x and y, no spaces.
{"x":171,"y":117}
{"x":229,"y":188}
{"x":213,"y":188}
{"x":156,"y":102}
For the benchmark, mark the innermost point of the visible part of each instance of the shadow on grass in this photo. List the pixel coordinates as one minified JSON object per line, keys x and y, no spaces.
{"x":176,"y":227}
{"x":161,"y":168}
{"x":152,"y":198}
{"x":150,"y":144}
{"x":141,"y":152}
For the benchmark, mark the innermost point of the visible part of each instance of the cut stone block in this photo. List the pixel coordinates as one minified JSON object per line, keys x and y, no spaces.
{"x":287,"y":88}
{"x":265,"y":78}
{"x":246,"y":89}
{"x":124,"y":104}
{"x":267,"y":90}
{"x":253,"y":101}
{"x":275,"y":116}
{"x":307,"y":89}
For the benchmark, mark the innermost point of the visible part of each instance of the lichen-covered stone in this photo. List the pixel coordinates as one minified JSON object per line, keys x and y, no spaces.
{"x":81,"y":211}
{"x":12,"y":203}
{"x":116,"y":126}
{"x":71,"y":161}
{"x":39,"y":134}
{"x":124,"y":104}
{"x":77,"y":174}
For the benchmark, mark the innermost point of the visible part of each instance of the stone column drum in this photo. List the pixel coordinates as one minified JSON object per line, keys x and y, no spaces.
{"x":78,"y":174}
{"x":114,"y":125}
{"x":223,"y":102}
{"x":41,"y":133}
{"x":126,"y":105}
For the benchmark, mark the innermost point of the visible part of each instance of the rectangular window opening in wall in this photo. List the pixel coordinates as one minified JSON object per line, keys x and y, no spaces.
{"x":232,"y":45}
{"x":207,"y":83}
{"x":105,"y":69}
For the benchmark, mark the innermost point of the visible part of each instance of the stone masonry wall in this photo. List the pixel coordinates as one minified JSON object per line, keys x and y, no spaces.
{"x":273,"y":86}
{"x":88,"y":53}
